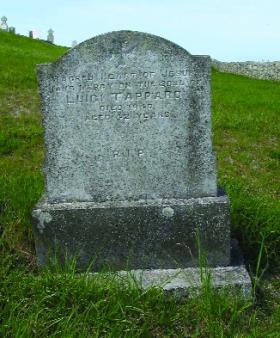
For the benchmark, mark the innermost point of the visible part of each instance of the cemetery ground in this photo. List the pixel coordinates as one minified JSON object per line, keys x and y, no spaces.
{"x":56,"y":302}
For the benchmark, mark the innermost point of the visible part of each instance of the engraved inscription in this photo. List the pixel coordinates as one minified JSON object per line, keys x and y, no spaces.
{"x":127,"y":153}
{"x":158,"y":95}
{"x":124,"y":96}
{"x":125,"y":120}
{"x":129,"y":86}
{"x":120,"y":154}
{"x":122,"y":115}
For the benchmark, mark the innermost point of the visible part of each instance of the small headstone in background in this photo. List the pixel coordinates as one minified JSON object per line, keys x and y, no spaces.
{"x":74,"y":43}
{"x":3,"y":24}
{"x":50,"y":37}
{"x":31,"y":34}
{"x":12,"y":30}
{"x":36,"y":34}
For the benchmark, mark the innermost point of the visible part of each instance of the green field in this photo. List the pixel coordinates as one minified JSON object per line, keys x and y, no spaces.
{"x":57,"y":303}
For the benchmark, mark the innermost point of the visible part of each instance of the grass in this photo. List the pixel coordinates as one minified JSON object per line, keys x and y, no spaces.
{"x":53,"y":303}
{"x":66,"y":305}
{"x":246,"y":124}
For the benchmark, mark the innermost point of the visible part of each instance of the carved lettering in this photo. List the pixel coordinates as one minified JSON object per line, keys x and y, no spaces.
{"x":119,"y":154}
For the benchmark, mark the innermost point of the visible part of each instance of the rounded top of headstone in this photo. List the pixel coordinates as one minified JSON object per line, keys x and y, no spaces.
{"x":127,"y":36}
{"x":127,"y":117}
{"x":123,"y":42}
{"x":4,"y":19}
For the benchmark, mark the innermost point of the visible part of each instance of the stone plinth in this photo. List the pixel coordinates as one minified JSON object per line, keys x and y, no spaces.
{"x":135,"y":235}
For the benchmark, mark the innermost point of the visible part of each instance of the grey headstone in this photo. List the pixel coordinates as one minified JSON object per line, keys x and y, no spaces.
{"x":31,"y":34}
{"x":12,"y":30}
{"x":50,"y":37}
{"x":3,"y":24}
{"x":74,"y":43}
{"x":130,"y":172}
{"x":127,"y":116}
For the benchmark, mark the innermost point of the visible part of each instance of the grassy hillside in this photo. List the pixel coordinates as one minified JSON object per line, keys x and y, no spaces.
{"x":19,"y":55}
{"x":246,"y":128}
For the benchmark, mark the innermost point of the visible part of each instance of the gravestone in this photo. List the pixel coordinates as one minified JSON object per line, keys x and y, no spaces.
{"x":3,"y":24}
{"x":12,"y":30}
{"x":130,"y":173}
{"x":30,"y":34}
{"x":50,"y":37}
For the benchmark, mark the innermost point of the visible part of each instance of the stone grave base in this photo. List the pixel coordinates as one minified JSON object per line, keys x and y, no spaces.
{"x":181,"y":282}
{"x":189,"y":281}
{"x":131,"y":235}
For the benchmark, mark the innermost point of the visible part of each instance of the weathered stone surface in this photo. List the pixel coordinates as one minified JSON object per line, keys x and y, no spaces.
{"x":136,"y":234}
{"x":130,"y":172}
{"x":127,"y":117}
{"x":190,"y":281}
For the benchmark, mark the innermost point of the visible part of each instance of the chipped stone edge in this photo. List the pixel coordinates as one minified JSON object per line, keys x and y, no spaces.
{"x":43,"y":204}
{"x":42,"y":217}
{"x":189,"y":281}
